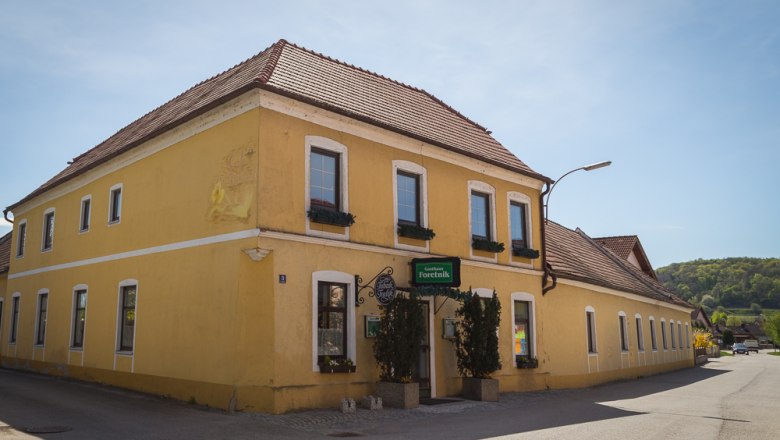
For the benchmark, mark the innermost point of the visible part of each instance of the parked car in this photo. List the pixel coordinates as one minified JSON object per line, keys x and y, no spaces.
{"x":740,"y":348}
{"x":752,"y":345}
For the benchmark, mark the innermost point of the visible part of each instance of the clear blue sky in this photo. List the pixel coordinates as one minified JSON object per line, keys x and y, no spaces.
{"x":682,"y":96}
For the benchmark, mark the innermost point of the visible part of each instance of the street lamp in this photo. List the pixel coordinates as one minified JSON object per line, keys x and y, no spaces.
{"x":590,"y":167}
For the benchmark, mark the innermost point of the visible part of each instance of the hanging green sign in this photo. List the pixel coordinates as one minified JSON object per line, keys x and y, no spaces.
{"x":436,"y":272}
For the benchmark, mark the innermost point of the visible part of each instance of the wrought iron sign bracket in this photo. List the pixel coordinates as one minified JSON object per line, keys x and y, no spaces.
{"x":359,"y":286}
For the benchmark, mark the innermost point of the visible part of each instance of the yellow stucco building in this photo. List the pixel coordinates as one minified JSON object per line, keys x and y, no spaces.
{"x":218,"y":248}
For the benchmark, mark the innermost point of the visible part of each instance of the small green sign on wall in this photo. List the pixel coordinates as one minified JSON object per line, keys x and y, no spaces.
{"x":444,"y":272}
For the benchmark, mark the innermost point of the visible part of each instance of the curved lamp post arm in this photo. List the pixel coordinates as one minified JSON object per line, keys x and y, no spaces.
{"x":590,"y":167}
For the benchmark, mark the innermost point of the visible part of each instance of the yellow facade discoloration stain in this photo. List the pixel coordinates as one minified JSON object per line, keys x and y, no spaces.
{"x":233,"y":193}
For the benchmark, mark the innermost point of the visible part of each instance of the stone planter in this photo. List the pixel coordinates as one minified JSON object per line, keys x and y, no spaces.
{"x":399,"y":395}
{"x":480,"y":389}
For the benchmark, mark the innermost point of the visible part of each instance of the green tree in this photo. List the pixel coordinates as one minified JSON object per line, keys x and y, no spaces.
{"x":728,"y":337}
{"x":772,"y":328}
{"x":476,"y":341}
{"x":397,"y":345}
{"x":719,"y":317}
{"x":733,"y":321}
{"x":755,"y":308}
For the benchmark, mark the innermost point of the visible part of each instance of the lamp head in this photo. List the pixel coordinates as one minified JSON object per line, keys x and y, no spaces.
{"x":596,"y":166}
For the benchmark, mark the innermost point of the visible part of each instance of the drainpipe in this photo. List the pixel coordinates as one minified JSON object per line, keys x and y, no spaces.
{"x":5,"y":214}
{"x":546,"y":269}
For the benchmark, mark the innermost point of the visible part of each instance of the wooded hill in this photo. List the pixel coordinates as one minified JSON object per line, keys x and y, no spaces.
{"x":729,"y":282}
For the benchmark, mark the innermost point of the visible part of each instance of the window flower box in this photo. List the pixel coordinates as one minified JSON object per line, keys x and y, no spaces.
{"x":525,"y":253}
{"x":482,"y":244}
{"x":329,"y":217}
{"x":415,"y":231}
{"x":526,"y":362}
{"x":338,"y":368}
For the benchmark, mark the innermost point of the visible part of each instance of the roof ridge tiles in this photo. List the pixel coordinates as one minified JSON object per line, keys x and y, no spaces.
{"x":402,"y":84}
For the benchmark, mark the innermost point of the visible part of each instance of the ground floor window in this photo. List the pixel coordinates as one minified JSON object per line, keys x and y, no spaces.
{"x":623,"y":332}
{"x":590,"y":329}
{"x":40,"y":330}
{"x":522,"y":330}
{"x":127,"y":317}
{"x":640,"y":340}
{"x":331,"y":320}
{"x":79,"y":318}
{"x":14,"y":319}
{"x":653,"y":338}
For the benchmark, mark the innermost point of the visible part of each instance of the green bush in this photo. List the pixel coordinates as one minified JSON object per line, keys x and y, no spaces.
{"x":476,"y":337}
{"x":397,"y":345}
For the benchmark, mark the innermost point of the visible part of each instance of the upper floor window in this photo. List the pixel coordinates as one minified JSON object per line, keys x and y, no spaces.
{"x":324,"y":179}
{"x":408,"y":194}
{"x":22,"y":238}
{"x":40,"y":323}
{"x":48,"y":229}
{"x":86,"y":208}
{"x":480,"y":216}
{"x":115,"y":204}
{"x":518,"y":229}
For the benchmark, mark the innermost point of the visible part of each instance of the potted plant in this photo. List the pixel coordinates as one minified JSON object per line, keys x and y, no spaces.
{"x":337,"y":365}
{"x":397,"y":351}
{"x":415,"y":231}
{"x":476,"y":346}
{"x":483,"y":244}
{"x":526,"y":362}
{"x":330,"y":217}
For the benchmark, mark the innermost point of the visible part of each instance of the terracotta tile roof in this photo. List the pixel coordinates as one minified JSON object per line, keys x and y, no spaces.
{"x":575,"y":256}
{"x":623,"y":245}
{"x":5,"y":252}
{"x":307,"y":76}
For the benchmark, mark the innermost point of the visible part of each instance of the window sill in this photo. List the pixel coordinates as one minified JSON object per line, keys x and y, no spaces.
{"x":76,"y":348}
{"x":327,"y":369}
{"x":39,"y":346}
{"x":525,"y":363}
{"x":124,"y":353}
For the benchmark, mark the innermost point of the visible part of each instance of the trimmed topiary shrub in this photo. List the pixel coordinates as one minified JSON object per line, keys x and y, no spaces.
{"x":476,"y":341}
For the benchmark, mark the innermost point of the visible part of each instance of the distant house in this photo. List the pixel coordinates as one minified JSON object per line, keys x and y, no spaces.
{"x":629,"y":248}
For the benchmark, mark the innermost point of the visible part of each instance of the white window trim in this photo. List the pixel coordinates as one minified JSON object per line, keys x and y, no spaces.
{"x":531,"y":300}
{"x":117,"y":342}
{"x":38,"y":316}
{"x":640,"y":342}
{"x":332,"y":276}
{"x":75,"y":289}
{"x":679,"y":335}
{"x":514,"y":196}
{"x":653,"y":333}
{"x":671,"y":334}
{"x":624,"y":324}
{"x":121,"y":189}
{"x":81,"y":214}
{"x":43,"y":229}
{"x":595,"y":352}
{"x":13,"y":327}
{"x":687,"y":336}
{"x":24,"y":244}
{"x":412,"y":168}
{"x":482,"y":187}
{"x":324,"y":143}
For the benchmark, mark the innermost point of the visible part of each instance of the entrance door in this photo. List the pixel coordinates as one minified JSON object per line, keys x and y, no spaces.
{"x":422,"y":374}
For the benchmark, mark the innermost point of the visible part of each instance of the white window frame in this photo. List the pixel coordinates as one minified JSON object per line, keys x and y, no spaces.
{"x":41,"y":292}
{"x":687,"y":336}
{"x":88,"y":197}
{"x":13,"y":328}
{"x":120,"y":303}
{"x":332,"y":276}
{"x":671,"y":334}
{"x":21,"y":239}
{"x":484,"y":188}
{"x":653,"y":333}
{"x":514,"y":196}
{"x":422,"y":173}
{"x":640,"y":332}
{"x":323,"y":143}
{"x":74,"y":305}
{"x":44,"y":226}
{"x":625,"y":345}
{"x":531,"y":300}
{"x":592,"y":331}
{"x":120,"y":187}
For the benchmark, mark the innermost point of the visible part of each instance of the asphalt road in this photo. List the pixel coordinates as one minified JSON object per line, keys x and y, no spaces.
{"x":729,"y":398}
